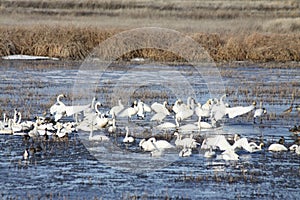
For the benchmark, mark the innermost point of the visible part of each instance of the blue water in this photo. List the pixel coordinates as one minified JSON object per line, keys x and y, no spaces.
{"x":68,"y":170}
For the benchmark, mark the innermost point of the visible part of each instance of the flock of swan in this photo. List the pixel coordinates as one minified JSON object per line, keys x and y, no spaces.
{"x":209,"y":116}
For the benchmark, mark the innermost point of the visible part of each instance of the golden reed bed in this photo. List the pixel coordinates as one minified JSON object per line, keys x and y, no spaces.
{"x":68,"y":42}
{"x":255,"y":30}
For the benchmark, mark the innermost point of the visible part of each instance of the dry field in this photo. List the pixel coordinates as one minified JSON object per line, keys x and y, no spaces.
{"x":257,"y":30}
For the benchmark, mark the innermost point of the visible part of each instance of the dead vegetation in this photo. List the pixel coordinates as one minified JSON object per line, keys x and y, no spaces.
{"x":229,"y":30}
{"x":76,"y":43}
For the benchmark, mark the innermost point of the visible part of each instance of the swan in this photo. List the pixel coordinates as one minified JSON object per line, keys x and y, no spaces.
{"x":206,"y":108}
{"x":259,"y":113}
{"x":34,"y":132}
{"x":203,"y":125}
{"x":200,"y":112}
{"x":221,"y":142}
{"x":185,"y":152}
{"x":168,"y":125}
{"x":159,"y":117}
{"x":153,"y":144}
{"x":59,"y":108}
{"x":188,"y":128}
{"x":97,"y":137}
{"x":116,"y":110}
{"x":101,"y":121}
{"x":141,"y":110}
{"x":128,"y":139}
{"x":160,"y":108}
{"x":218,"y":110}
{"x":131,"y":111}
{"x":228,"y":155}
{"x":161,"y":144}
{"x":295,"y":148}
{"x":186,"y":142}
{"x":176,"y":106}
{"x":256,"y":147}
{"x":184,"y":111}
{"x":277,"y":147}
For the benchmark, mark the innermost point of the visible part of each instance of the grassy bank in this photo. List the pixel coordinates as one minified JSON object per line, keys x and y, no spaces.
{"x":70,"y":42}
{"x":255,"y":30}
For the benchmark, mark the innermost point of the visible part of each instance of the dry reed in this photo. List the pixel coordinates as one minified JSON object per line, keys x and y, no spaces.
{"x":75,"y":43}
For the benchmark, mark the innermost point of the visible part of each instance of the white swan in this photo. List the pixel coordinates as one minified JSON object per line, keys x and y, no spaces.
{"x":147,"y":145}
{"x":221,"y":142}
{"x":116,"y":110}
{"x":228,"y":155}
{"x":218,"y":110}
{"x":59,"y":108}
{"x":159,"y":117}
{"x":101,"y":121}
{"x":160,"y":108}
{"x":168,"y":125}
{"x":277,"y":147}
{"x":259,"y":113}
{"x":203,"y":125}
{"x":256,"y":147}
{"x":127,"y":138}
{"x":131,"y":111}
{"x":184,"y":111}
{"x":176,"y":106}
{"x":186,"y":142}
{"x":97,"y":137}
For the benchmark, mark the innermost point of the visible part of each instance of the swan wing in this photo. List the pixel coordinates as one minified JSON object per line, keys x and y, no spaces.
{"x":219,"y":141}
{"x":71,"y":110}
{"x":239,"y":110}
{"x":159,"y":108}
{"x":158,"y":117}
{"x":242,"y":143}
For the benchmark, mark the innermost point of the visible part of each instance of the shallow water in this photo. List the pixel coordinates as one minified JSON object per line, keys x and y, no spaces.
{"x":77,"y":168}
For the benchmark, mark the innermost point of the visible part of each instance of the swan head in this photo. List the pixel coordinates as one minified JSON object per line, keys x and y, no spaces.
{"x":153,"y":140}
{"x":254,"y":103}
{"x":261,"y":145}
{"x":281,"y":140}
{"x":264,"y":111}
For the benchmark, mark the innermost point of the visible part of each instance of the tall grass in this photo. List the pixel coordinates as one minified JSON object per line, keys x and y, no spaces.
{"x":75,"y":43}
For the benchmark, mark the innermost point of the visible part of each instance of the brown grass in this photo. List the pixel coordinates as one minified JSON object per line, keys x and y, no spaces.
{"x":264,"y":30}
{"x":75,"y":43}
